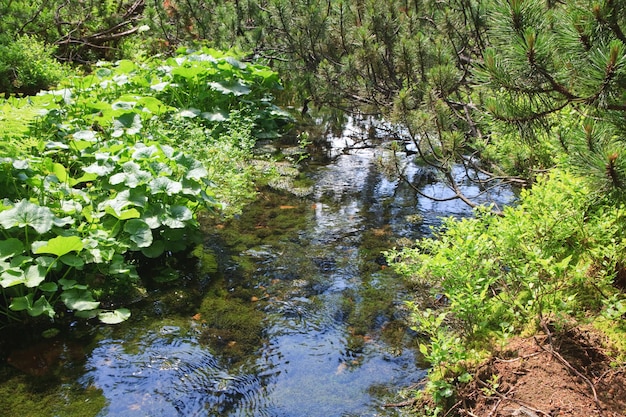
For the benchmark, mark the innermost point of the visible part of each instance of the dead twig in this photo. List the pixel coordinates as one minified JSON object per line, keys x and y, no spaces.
{"x":518,"y":358}
{"x":522,"y":403}
{"x":453,"y":408}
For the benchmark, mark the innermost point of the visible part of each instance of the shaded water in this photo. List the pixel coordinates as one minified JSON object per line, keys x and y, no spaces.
{"x":301,"y":319}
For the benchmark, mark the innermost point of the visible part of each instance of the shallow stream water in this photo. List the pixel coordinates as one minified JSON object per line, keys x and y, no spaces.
{"x":299,"y":316}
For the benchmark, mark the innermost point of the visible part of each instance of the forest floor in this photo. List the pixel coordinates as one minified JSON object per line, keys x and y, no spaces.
{"x":553,"y":374}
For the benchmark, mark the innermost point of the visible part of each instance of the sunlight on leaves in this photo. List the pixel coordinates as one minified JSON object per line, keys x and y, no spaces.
{"x":139,"y":231}
{"x":61,"y":245}
{"x":114,"y":316}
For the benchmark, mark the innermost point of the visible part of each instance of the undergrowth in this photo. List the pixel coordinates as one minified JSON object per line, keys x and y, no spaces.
{"x":554,"y":257}
{"x":110,"y":171}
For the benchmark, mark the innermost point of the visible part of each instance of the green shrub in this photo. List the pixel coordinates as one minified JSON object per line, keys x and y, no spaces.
{"x":550,"y":258}
{"x":27,"y":66}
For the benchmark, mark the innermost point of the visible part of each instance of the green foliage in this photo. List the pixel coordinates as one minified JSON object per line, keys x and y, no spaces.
{"x":106,"y":184}
{"x":551,"y":66}
{"x":552,"y":257}
{"x":27,"y":65}
{"x":79,"y":31}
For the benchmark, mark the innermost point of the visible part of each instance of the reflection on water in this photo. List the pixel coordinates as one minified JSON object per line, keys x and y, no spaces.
{"x":333,"y":339}
{"x":166,"y":373}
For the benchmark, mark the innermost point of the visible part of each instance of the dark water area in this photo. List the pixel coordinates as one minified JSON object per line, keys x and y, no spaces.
{"x":291,"y":311}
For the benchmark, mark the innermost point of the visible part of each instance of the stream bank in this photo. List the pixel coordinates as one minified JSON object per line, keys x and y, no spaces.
{"x":288,"y":309}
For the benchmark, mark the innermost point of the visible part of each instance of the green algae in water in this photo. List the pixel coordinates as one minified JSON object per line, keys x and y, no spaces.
{"x":207,"y":260}
{"x":231,"y":326}
{"x":37,"y":396}
{"x":272,"y":217}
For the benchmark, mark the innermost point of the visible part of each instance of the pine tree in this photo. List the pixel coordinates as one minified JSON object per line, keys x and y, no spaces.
{"x":555,"y":62}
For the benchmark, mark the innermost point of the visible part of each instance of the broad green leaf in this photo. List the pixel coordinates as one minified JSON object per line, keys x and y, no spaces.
{"x":118,"y":178}
{"x":114,"y":316}
{"x":60,"y":222}
{"x":144,"y":152}
{"x":103,"y":72}
{"x":71,"y":207}
{"x":10,"y":247}
{"x":218,"y":116}
{"x":44,"y":261}
{"x":123,"y":105}
{"x":60,"y":172}
{"x":125,"y":66}
{"x":56,"y":145}
{"x":155,"y":250}
{"x":25,"y":214}
{"x":81,"y":145}
{"x":264,"y":72}
{"x":99,"y":169}
{"x":196,"y":173}
{"x":189,"y":113}
{"x":165,"y":185}
{"x":41,"y":306}
{"x":152,"y":216}
{"x":21,"y":303}
{"x":168,"y":151}
{"x":139,"y":231}
{"x":188,"y":72}
{"x":72,"y":260}
{"x":234,"y":62}
{"x":20,"y":164}
{"x":79,"y":300}
{"x":125,"y":198}
{"x":131,"y":213}
{"x":84,"y":178}
{"x":120,"y":79}
{"x":128,"y":122}
{"x":34,"y":275}
{"x":68,"y":284}
{"x":176,"y":239}
{"x":11,"y":277}
{"x":177,"y":217}
{"x":48,"y":287}
{"x":195,"y":168}
{"x":160,"y":86}
{"x":61,"y":245}
{"x":64,"y":93}
{"x":86,"y":314}
{"x":20,"y":261}
{"x":236,"y":88}
{"x":118,"y":266}
{"x":153,"y":104}
{"x":132,"y":176}
{"x":86,"y":135}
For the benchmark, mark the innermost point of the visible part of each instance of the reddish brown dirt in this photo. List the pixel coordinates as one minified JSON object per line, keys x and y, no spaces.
{"x":558,"y":374}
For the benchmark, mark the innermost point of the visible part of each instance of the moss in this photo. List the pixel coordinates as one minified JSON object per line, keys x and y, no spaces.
{"x":271,"y":217}
{"x":207,"y":260}
{"x":29,"y":396}
{"x":615,"y":333}
{"x":232,"y":325}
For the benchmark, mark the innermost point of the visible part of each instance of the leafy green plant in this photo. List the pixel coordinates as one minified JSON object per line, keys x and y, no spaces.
{"x":106,"y":185}
{"x":551,"y":257}
{"x":27,"y":65}
{"x":27,"y":264}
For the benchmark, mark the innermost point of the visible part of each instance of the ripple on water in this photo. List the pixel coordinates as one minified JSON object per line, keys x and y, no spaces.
{"x":167,"y":373}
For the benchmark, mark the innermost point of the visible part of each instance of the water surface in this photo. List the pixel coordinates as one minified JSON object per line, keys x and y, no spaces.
{"x":300,"y":318}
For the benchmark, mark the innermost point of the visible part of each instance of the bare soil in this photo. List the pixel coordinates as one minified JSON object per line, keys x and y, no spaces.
{"x":554,"y":374}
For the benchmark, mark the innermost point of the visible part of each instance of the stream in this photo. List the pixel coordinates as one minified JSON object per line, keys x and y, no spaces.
{"x":291,"y":311}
